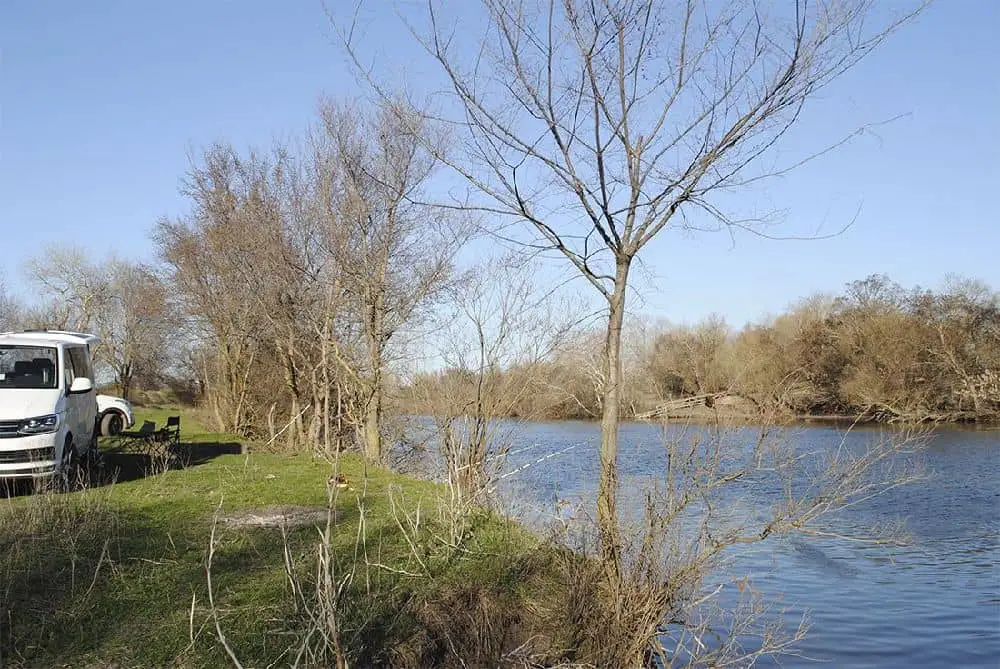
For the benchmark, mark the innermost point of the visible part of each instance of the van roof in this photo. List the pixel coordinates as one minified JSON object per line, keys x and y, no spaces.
{"x":47,"y":338}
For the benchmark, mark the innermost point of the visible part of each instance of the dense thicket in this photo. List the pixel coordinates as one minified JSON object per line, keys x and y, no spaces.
{"x":877,"y":350}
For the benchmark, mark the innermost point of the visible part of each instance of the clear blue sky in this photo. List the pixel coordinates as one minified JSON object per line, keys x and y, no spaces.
{"x":102,"y":101}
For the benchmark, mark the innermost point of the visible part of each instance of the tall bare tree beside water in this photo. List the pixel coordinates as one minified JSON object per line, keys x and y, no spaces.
{"x":590,"y":128}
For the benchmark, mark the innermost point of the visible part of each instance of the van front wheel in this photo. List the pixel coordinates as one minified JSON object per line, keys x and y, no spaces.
{"x":69,"y":469}
{"x":93,"y":463}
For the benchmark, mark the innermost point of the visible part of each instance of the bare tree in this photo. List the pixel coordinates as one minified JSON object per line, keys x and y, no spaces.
{"x":965,"y":320}
{"x":122,"y":301}
{"x":135,"y":324}
{"x":394,"y":255}
{"x":304,"y":263}
{"x":602,"y":124}
{"x":76,"y":285}
{"x":10,"y":310}
{"x":211,"y":256}
{"x":498,"y":328}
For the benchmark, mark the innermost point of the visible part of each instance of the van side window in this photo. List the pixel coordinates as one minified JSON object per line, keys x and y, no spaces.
{"x":79,"y":363}
{"x":68,"y":373}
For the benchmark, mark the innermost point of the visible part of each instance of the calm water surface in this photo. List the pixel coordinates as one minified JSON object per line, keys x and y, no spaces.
{"x":934,"y":603}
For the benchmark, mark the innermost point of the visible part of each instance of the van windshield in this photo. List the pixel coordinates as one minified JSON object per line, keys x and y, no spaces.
{"x":28,"y":367}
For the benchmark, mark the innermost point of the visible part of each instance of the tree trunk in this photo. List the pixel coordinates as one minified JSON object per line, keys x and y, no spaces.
{"x":373,"y":425}
{"x":125,"y":381}
{"x":292,"y":382}
{"x":372,"y":420}
{"x":607,"y":516}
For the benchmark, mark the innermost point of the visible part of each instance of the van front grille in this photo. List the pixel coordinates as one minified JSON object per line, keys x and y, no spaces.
{"x":9,"y":428}
{"x":27,"y":455}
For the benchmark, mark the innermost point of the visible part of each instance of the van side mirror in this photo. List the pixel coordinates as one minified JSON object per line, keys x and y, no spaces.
{"x":81,"y":385}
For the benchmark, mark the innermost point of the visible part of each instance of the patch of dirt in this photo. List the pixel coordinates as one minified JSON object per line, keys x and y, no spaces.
{"x":278,"y":516}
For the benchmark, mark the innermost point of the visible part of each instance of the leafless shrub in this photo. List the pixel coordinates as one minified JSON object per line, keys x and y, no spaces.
{"x":161,"y":460}
{"x":721,"y":489}
{"x":499,"y":326}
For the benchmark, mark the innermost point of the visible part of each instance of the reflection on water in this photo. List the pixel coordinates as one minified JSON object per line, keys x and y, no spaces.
{"x":933,"y":603}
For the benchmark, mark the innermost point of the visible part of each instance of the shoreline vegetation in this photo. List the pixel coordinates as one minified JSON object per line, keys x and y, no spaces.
{"x":729,"y":408}
{"x":876,"y":353}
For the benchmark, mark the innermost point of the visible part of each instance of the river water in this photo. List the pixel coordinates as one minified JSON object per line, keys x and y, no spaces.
{"x":933,"y":603}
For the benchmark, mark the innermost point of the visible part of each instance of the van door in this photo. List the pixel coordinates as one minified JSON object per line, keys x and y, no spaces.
{"x":81,"y":408}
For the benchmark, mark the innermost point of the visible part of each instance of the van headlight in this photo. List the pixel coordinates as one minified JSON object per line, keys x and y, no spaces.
{"x":40,"y":425}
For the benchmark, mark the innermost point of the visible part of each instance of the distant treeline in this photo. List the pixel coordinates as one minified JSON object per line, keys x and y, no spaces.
{"x":877,"y":351}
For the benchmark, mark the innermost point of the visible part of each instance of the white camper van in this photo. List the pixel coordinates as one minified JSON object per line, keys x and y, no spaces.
{"x":48,"y":405}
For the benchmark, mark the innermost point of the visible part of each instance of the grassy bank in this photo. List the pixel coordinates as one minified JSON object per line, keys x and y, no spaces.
{"x":118,"y":572}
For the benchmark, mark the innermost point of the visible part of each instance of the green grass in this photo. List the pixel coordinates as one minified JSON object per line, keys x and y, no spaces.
{"x":110,"y":573}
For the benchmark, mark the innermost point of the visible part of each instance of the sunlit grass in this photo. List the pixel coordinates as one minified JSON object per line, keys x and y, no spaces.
{"x":112,"y":573}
